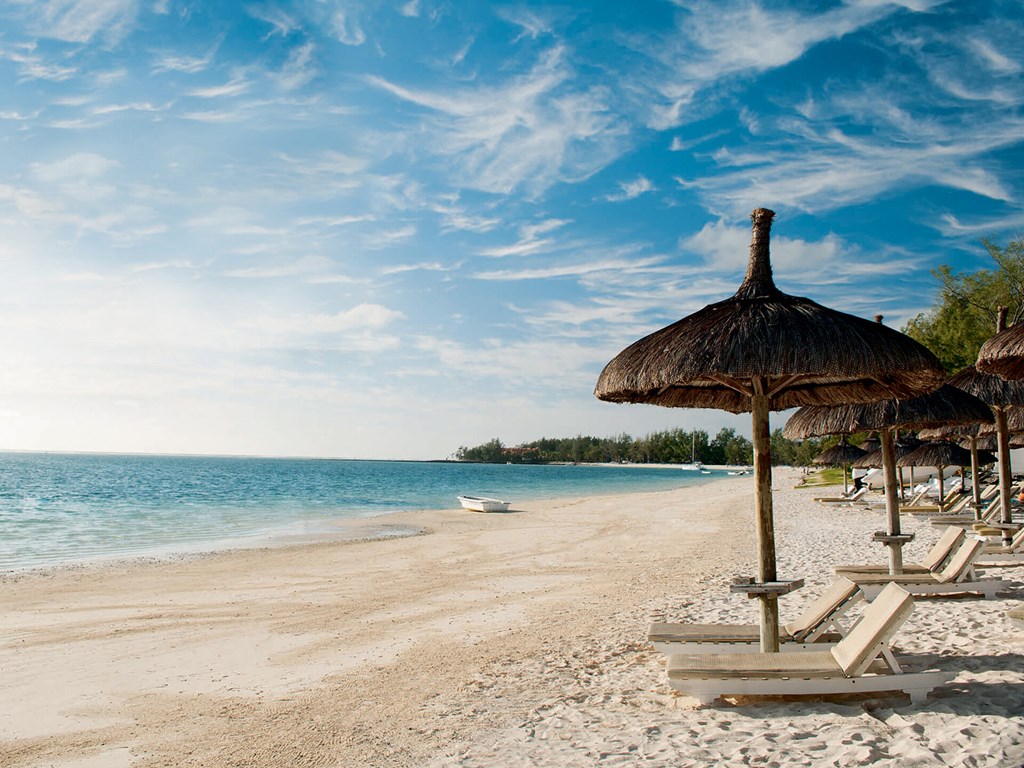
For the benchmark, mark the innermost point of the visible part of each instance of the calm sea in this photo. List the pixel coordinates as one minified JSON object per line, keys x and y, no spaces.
{"x":64,"y":508}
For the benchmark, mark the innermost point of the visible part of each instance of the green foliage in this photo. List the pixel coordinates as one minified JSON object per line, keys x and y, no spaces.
{"x":964,"y":315}
{"x":674,"y":446}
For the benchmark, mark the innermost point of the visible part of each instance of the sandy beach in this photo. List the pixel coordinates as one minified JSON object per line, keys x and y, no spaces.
{"x":490,"y":640}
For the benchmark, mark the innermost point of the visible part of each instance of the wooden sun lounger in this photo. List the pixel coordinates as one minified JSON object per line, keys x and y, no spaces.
{"x":1010,"y":554}
{"x":853,"y":665}
{"x":816,"y":627}
{"x":957,"y":578}
{"x":940,"y":552}
{"x":943,"y":511}
{"x":855,"y":496}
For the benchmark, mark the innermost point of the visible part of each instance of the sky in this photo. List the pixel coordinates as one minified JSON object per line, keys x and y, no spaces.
{"x":389,"y":229}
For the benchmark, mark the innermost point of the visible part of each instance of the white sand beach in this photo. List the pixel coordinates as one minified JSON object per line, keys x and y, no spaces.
{"x":492,"y":640}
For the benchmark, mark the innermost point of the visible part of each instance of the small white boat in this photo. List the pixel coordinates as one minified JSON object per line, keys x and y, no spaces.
{"x":484,"y":504}
{"x":739,"y":472}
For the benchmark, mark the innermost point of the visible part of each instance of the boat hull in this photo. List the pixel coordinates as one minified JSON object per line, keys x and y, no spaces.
{"x":483,"y":504}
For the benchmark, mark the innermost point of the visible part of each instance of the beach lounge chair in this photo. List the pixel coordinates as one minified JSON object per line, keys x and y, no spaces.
{"x":960,"y":516}
{"x":854,"y":665}
{"x":937,"y":556}
{"x":957,"y":578}
{"x":1004,"y":554}
{"x":818,"y":624}
{"x":954,"y":510}
{"x":844,"y":499}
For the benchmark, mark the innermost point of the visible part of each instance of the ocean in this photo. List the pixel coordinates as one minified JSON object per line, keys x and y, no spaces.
{"x":58,"y":509}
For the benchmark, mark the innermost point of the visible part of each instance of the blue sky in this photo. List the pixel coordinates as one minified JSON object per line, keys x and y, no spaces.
{"x":387,"y":229}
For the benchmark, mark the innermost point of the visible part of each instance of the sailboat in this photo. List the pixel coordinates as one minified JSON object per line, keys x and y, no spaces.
{"x":694,"y":465}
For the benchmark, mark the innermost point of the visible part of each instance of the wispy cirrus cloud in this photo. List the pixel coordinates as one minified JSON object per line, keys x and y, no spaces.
{"x":702,"y":52}
{"x":528,"y":133}
{"x":79,"y":21}
{"x":530,"y":240}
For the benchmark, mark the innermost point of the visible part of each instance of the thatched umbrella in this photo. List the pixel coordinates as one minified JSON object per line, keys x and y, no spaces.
{"x":764,"y":350}
{"x":842,"y":454}
{"x":945,"y":405}
{"x":871,"y":442}
{"x":967,"y":436}
{"x":1003,"y":354}
{"x":870,"y":460}
{"x":1000,"y":395}
{"x":939,"y":454}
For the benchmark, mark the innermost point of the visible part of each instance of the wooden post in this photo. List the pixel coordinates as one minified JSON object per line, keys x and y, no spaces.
{"x":975,"y":488}
{"x":942,"y":498}
{"x":1005,"y":478}
{"x":1003,"y":441}
{"x":892,"y":504}
{"x":764,"y":517}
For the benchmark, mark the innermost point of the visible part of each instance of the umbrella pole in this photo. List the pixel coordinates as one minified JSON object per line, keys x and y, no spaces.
{"x":892,"y":504}
{"x":846,"y":486}
{"x":1003,"y":433}
{"x":765,"y":521}
{"x":942,"y":497}
{"x":974,"y":478}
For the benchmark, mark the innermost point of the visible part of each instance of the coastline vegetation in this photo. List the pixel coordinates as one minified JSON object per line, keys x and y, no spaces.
{"x":675,"y":446}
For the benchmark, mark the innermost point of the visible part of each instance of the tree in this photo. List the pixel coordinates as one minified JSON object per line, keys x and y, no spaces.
{"x":964,"y":315}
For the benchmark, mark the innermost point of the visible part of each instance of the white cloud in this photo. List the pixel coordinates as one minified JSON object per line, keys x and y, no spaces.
{"x":235,"y":87}
{"x":299,"y":69}
{"x":79,"y":21}
{"x":530,"y":132}
{"x":346,"y":25}
{"x":630,"y":190}
{"x":726,"y":248}
{"x":173,"y":61}
{"x":410,"y":9}
{"x":568,"y":270}
{"x":280,"y":22}
{"x":304,"y":266}
{"x":529,"y":242}
{"x":533,"y":22}
{"x":78,"y":167}
{"x":705,"y":50}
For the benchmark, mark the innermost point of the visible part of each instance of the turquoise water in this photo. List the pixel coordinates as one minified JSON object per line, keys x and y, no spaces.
{"x":64,"y":508}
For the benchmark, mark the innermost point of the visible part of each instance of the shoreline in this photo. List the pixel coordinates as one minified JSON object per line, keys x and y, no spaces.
{"x":364,"y":526}
{"x":514,"y":639}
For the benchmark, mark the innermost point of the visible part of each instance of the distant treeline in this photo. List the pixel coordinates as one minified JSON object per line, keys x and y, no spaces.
{"x":671,"y":447}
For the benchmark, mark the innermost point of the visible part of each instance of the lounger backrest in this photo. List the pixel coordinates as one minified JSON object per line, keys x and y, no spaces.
{"x":960,"y":563}
{"x":821,"y":610}
{"x":871,"y":635}
{"x":948,"y":541}
{"x":1017,"y":542}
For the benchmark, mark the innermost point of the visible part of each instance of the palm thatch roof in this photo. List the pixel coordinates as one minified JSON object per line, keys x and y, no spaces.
{"x":1014,"y":423}
{"x":945,"y":405}
{"x":871,"y":443}
{"x":991,"y":442}
{"x":840,"y":454}
{"x":949,"y":430}
{"x":994,"y":390}
{"x":793,"y":349}
{"x":940,"y":453}
{"x":873,"y":459}
{"x":869,"y":460}
{"x":1003,"y":354}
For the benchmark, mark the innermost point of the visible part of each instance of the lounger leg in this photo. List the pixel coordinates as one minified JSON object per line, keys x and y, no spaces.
{"x":705,"y":699}
{"x":919,"y":695}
